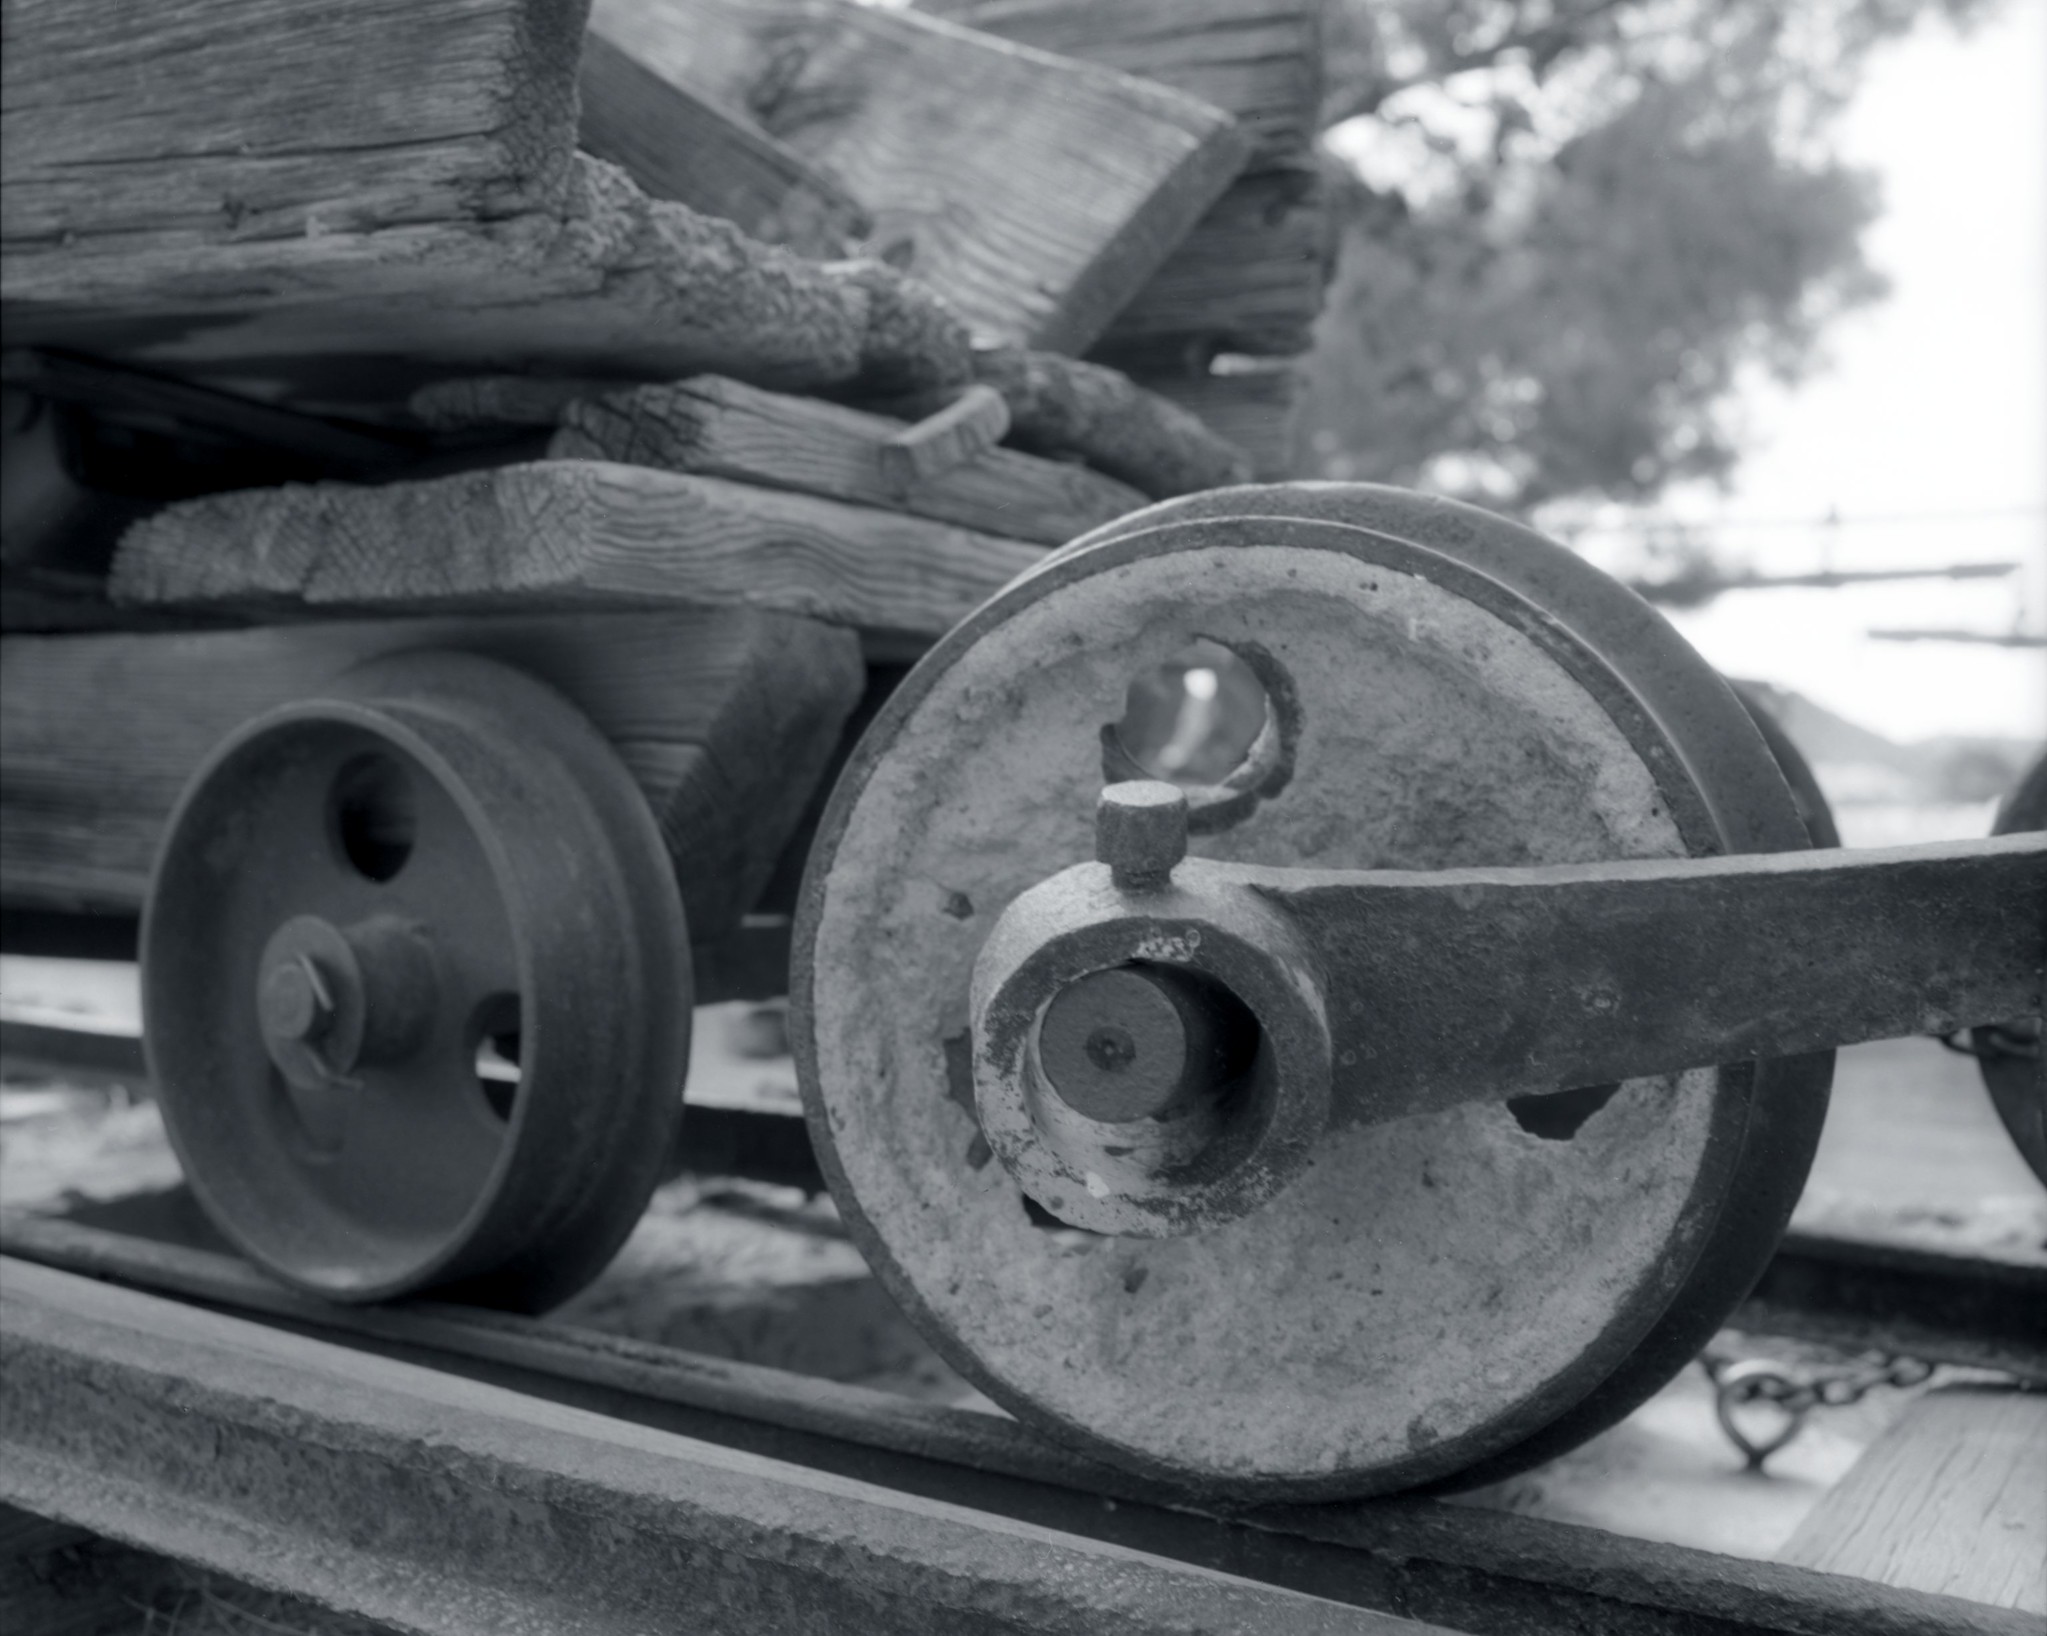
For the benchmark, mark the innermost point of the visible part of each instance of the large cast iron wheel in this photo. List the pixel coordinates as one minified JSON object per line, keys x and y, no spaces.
{"x":416,"y":988}
{"x":1463,"y":1290}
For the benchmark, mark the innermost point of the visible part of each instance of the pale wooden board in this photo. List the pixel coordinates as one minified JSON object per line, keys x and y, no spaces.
{"x":1250,"y":276}
{"x":604,"y":281}
{"x":676,"y":145}
{"x":723,"y":429}
{"x":1952,"y":1499}
{"x":1260,"y":60}
{"x":558,"y":535}
{"x":1035,"y":193}
{"x":1256,"y":411}
{"x":247,"y":121}
{"x":725,"y":720}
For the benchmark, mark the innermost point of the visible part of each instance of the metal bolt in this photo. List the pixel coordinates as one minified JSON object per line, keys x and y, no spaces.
{"x":295,"y":1002}
{"x":1141,"y":833}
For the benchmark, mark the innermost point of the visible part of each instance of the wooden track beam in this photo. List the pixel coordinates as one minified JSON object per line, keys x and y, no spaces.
{"x":397,"y":1493}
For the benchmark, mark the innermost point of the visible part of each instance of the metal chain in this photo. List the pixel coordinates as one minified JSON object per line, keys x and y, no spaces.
{"x":1796,"y":1393}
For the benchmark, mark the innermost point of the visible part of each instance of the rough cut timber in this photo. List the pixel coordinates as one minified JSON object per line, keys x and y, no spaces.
{"x":676,"y":145}
{"x":1255,"y":408}
{"x":720,"y":428}
{"x":1260,"y":60}
{"x":1250,"y":276}
{"x":1248,"y":279}
{"x":1034,"y":193}
{"x":558,"y":535}
{"x":392,"y":195}
{"x":446,"y":1507}
{"x":1064,"y":406}
{"x":726,"y":721}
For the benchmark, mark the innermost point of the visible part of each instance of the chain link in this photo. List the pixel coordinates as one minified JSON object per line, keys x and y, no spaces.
{"x":1796,"y":1393}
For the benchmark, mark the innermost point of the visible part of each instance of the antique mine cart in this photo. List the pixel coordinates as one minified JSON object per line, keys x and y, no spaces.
{"x":478,"y":480}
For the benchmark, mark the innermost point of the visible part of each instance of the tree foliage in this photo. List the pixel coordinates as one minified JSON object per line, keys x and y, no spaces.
{"x":1567,"y":226}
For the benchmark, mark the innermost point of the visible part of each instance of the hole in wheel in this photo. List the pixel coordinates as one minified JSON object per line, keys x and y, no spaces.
{"x":497,"y":1053}
{"x":375,"y":815}
{"x":1557,"y":1116}
{"x":1193,"y":719}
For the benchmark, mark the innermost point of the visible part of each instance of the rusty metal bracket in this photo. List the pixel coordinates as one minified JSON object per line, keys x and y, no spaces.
{"x":1372,"y":995}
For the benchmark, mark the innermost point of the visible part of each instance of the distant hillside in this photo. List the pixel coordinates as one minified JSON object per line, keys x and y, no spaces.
{"x":1852,"y":762}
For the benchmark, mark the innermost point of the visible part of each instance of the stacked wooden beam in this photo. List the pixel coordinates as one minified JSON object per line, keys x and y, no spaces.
{"x":1217,"y":327}
{"x":477,"y":308}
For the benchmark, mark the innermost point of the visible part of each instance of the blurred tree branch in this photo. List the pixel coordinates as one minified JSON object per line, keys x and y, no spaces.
{"x":1568,"y":225}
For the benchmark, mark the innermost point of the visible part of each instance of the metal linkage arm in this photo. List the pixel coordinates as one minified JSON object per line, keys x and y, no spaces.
{"x":1484,"y":983}
{"x":1161,"y":1042}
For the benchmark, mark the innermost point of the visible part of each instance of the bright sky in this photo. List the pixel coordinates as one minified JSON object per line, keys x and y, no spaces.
{"x":1936,"y":403}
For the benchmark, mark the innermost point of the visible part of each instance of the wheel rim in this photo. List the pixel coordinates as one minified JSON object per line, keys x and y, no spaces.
{"x":2017,"y":1082}
{"x":1216,"y":1435}
{"x":354,"y":895}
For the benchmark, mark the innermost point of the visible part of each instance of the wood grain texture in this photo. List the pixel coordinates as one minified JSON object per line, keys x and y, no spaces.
{"x":725,"y":720}
{"x":408,"y":1497}
{"x":675,"y":145}
{"x":1250,"y":276}
{"x":1952,"y":1499}
{"x":1259,"y":60}
{"x":563,"y":534}
{"x":603,"y":281}
{"x":1034,"y":193}
{"x":1060,"y":405}
{"x":963,"y":431}
{"x":1255,"y":410}
{"x":251,"y":121}
{"x":719,"y":428}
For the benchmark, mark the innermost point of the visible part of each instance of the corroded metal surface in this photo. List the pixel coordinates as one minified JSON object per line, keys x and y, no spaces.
{"x":355,"y":893}
{"x":440,"y":1505}
{"x":1471,"y":1569}
{"x":1431,"y":1290}
{"x":1465,"y":984}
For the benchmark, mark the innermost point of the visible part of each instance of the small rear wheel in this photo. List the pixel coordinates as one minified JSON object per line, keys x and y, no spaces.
{"x":416,"y":988}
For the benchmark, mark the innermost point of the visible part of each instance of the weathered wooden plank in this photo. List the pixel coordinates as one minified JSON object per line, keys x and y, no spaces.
{"x":726,"y":720}
{"x":1951,"y":1499}
{"x":1035,"y":193}
{"x":963,"y":431}
{"x":1260,"y":60}
{"x":1060,"y":405}
{"x":605,"y":281}
{"x":1255,"y":409}
{"x":1250,"y":276}
{"x":720,"y":428}
{"x":563,"y":534}
{"x":396,"y":1493}
{"x":1461,"y":1566}
{"x":676,"y":145}
{"x":277,"y":121}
